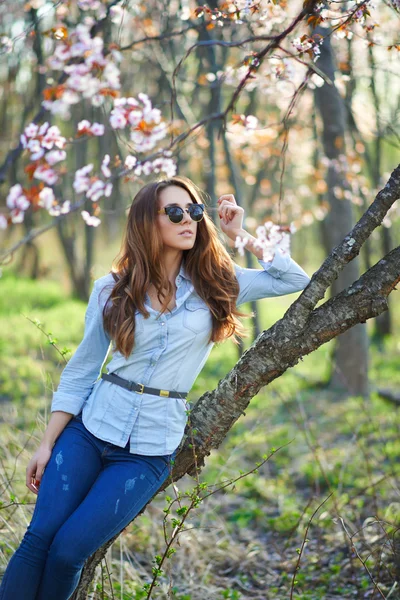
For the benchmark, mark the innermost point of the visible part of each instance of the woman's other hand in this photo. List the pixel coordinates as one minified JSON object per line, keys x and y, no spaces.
{"x":35,"y":468}
{"x":231,"y":215}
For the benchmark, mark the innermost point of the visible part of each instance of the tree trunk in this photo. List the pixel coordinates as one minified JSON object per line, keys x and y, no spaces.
{"x":238,"y":195}
{"x":383,"y":325}
{"x":350,"y":358}
{"x":302,"y":330}
{"x":67,"y":232}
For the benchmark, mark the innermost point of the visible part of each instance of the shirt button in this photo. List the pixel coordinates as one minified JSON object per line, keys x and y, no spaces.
{"x":163,"y":323}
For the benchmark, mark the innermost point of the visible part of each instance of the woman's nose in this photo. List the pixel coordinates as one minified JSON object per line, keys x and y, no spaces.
{"x":186,"y":217}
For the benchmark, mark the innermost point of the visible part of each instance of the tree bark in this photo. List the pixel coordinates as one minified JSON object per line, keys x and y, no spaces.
{"x":350,"y":360}
{"x":301,"y":330}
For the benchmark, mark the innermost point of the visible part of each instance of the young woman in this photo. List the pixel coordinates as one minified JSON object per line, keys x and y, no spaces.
{"x":172,"y":293}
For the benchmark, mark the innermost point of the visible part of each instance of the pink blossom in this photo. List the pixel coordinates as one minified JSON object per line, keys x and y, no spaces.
{"x":52,"y":138}
{"x":111,"y":75}
{"x":43,"y":128}
{"x":76,"y":70}
{"x":17,"y":216}
{"x":130,"y":161}
{"x":83,"y":171}
{"x":108,"y":189}
{"x":134,"y":117}
{"x":31,"y":130}
{"x":96,"y":190}
{"x":16,"y":198}
{"x":97,"y":129}
{"x":240,"y":244}
{"x":90,"y":219}
{"x":62,"y":52}
{"x":58,"y":107}
{"x":55,"y":156}
{"x":3,"y":222}
{"x":147,"y":168}
{"x":35,"y":149}
{"x":152,"y":116}
{"x":145,"y":100}
{"x":45,"y":174}
{"x":81,"y":180}
{"x":80,"y":48}
{"x":117,"y":119}
{"x":91,"y":87}
{"x":251,"y":122}
{"x":57,"y":210}
{"x":85,"y":124}
{"x":97,"y":100}
{"x":104,"y":166}
{"x":46,"y":198}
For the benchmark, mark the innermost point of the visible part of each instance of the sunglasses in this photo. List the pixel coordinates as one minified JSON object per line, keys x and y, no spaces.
{"x":175,"y":213}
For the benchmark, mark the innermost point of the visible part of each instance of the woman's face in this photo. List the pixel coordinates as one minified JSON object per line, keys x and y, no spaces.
{"x":179,"y":236}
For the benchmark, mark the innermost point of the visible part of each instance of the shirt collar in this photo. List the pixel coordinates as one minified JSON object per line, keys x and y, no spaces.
{"x":182,"y":272}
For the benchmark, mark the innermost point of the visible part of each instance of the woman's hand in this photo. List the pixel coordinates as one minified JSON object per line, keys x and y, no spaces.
{"x":35,"y":468}
{"x":231,"y":215}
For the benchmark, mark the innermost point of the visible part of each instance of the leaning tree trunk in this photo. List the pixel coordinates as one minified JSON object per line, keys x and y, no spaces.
{"x":301,"y":330}
{"x":350,"y":362}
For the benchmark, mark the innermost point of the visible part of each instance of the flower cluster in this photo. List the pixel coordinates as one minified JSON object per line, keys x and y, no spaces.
{"x":46,"y":146}
{"x":93,"y":187}
{"x":309,"y":45}
{"x":90,"y":74}
{"x":89,"y":219}
{"x":17,"y":202}
{"x":158,"y":165}
{"x":145,"y":122}
{"x":270,"y":238}
{"x":86,"y":128}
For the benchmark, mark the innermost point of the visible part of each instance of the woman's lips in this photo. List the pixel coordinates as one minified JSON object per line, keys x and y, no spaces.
{"x":187,"y":233}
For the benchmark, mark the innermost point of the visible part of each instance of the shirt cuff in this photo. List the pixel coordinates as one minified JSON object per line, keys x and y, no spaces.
{"x":66,"y":403}
{"x":279,"y":265}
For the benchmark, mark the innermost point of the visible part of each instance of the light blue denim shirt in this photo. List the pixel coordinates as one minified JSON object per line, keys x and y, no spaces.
{"x":169,"y":352}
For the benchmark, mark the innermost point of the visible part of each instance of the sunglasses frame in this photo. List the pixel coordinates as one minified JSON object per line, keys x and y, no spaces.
{"x":164,"y":211}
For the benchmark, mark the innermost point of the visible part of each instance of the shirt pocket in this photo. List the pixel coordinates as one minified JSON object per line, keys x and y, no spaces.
{"x":197,"y":316}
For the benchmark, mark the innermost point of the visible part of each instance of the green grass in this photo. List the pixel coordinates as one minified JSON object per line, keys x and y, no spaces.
{"x":244,"y":540}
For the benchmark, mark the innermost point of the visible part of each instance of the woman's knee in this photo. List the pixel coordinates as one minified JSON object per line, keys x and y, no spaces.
{"x":36,"y":540}
{"x":64,"y":554}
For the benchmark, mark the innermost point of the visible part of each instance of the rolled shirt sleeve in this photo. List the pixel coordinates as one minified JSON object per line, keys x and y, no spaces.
{"x":279,"y":277}
{"x":84,"y":367}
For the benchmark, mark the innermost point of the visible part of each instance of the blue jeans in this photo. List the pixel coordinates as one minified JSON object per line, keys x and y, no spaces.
{"x":90,"y":491}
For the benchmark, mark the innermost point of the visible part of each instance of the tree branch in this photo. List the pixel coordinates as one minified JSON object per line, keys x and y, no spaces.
{"x":298,"y":333}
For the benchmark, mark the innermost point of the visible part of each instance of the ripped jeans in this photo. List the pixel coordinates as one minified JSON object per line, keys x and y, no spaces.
{"x":90,"y":491}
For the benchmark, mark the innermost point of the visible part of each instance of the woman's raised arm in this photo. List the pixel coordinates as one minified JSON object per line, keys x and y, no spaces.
{"x":279,"y":277}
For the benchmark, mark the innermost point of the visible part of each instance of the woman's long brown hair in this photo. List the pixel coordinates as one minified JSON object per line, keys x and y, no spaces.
{"x":139,"y":263}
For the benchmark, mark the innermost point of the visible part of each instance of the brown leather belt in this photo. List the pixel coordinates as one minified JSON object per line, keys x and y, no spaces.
{"x":140,"y":388}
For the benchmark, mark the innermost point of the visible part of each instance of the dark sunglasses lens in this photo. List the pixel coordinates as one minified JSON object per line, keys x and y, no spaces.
{"x":196,"y":212}
{"x":175,"y":214}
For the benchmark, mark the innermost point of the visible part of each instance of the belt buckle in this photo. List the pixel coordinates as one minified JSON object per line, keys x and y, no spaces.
{"x":164,"y":393}
{"x":141,"y":388}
